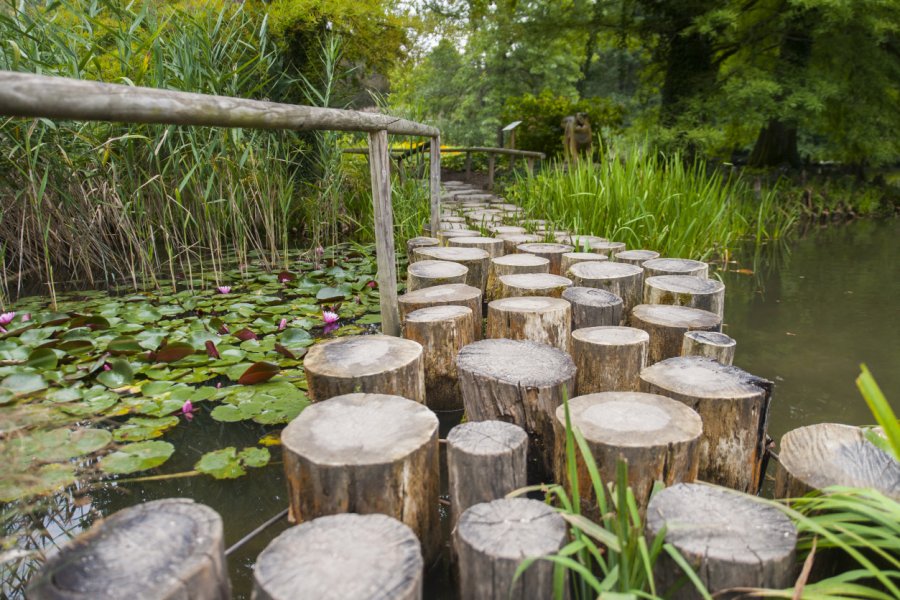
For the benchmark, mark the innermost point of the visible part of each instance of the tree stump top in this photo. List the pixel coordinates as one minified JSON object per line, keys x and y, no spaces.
{"x":685,"y":284}
{"x":361,"y":355}
{"x":636,"y":255}
{"x":531,"y":304}
{"x":438,"y":293}
{"x":452,"y":253}
{"x":521,"y":238}
{"x":591,"y":296}
{"x":701,"y":377}
{"x":585,"y":256}
{"x":535,"y":280}
{"x":544,"y":248}
{"x":675,"y":265}
{"x":668,"y":315}
{"x":632,"y":419}
{"x":423,"y":240}
{"x":585,"y":241}
{"x":719,"y":524}
{"x":602,"y":269}
{"x":607,"y":245}
{"x":360,"y":429}
{"x":611,"y":335}
{"x":434,"y":314}
{"x":487,"y":438}
{"x":512,"y":229}
{"x":437,"y":268}
{"x":518,"y":362}
{"x":714,"y":338}
{"x":475,"y":239}
{"x":829,"y":454}
{"x":346,"y":556}
{"x":512,"y":528}
{"x":521,"y":260}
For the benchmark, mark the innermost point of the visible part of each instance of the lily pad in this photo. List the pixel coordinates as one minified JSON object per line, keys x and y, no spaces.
{"x":140,"y":456}
{"x":138,"y":429}
{"x":124,"y":345}
{"x":21,"y":384}
{"x":43,"y":359}
{"x":258,"y":373}
{"x":46,"y":479}
{"x":227,"y":463}
{"x":119,"y":374}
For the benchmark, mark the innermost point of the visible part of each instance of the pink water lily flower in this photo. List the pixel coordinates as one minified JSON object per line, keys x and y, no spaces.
{"x":329,"y":317}
{"x":6,"y":318}
{"x":25,"y":318}
{"x":371,"y":284}
{"x":282,"y":324}
{"x":107,"y":366}
{"x":224,"y":289}
{"x":187,"y":409}
{"x":320,"y":251}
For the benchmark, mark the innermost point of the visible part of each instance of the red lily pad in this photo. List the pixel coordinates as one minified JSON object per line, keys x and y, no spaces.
{"x":245,"y":334}
{"x":258,"y":373}
{"x":174,"y":351}
{"x":211,"y":350}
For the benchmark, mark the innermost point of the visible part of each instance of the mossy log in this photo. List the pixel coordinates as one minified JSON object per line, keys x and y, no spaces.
{"x":512,"y":264}
{"x":667,"y":325}
{"x":686,"y":290}
{"x":474,"y":259}
{"x":537,"y":318}
{"x":419,"y":242}
{"x":511,"y":241}
{"x":625,"y":281}
{"x":710,"y":344}
{"x":593,"y":308}
{"x":571,"y":258}
{"x":609,"y":358}
{"x":458,"y":294}
{"x":552,"y":252}
{"x":635,"y":257}
{"x":533,"y":284}
{"x":429,"y":273}
{"x":492,"y":246}
{"x":675,"y":266}
{"x":607,"y":248}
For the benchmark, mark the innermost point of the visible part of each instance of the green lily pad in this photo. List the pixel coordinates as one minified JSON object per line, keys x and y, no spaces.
{"x":77,"y":347}
{"x":124,"y":345}
{"x":138,"y":429}
{"x":43,"y":359}
{"x":46,"y":479}
{"x":139,"y":456}
{"x":21,"y":384}
{"x":227,"y":463}
{"x":119,"y":374}
{"x":327,"y":294}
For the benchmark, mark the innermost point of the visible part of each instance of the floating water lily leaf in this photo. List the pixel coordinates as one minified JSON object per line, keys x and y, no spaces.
{"x":327,"y":294}
{"x":174,"y":351}
{"x":123,"y":345}
{"x":21,"y":384}
{"x":55,"y":445}
{"x":43,"y":359}
{"x":371,"y":319}
{"x":137,"y":429}
{"x":47,"y":479}
{"x":258,"y":373}
{"x":94,"y":322}
{"x":76,"y":347}
{"x":119,"y":374}
{"x":92,"y":404}
{"x":254,"y":457}
{"x":35,"y":335}
{"x":135,"y":457}
{"x":69,"y":394}
{"x":282,"y":410}
{"x":245,"y":335}
{"x":227,"y":463}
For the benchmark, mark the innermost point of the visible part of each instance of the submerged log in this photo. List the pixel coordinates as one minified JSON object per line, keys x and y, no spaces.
{"x":818,"y":456}
{"x":419,"y":242}
{"x":686,"y":290}
{"x":511,"y":241}
{"x":492,"y":246}
{"x":622,"y":280}
{"x":731,"y":540}
{"x":734,"y":406}
{"x":537,"y":318}
{"x":366,"y":453}
{"x":475,"y":260}
{"x":533,"y":284}
{"x":552,"y":252}
{"x":491,"y":540}
{"x":429,"y":273}
{"x":635,"y":257}
{"x":161,"y":550}
{"x":710,"y":344}
{"x":518,"y":382}
{"x":609,"y":358}
{"x":607,"y":248}
{"x":667,"y":325}
{"x":442,"y":332}
{"x":571,"y":258}
{"x":313,"y":560}
{"x":655,"y":435}
{"x":458,"y":294}
{"x":592,"y":307}
{"x":485,"y":461}
{"x":512,"y":264}
{"x":675,"y":266}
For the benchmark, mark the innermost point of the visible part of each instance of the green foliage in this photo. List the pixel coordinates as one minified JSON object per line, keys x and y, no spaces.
{"x":882,"y":411}
{"x":228,"y":463}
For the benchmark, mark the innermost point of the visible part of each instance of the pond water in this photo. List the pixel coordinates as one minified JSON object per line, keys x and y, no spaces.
{"x":804,"y":315}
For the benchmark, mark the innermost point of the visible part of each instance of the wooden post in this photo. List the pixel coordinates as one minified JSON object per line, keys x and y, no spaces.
{"x":492,"y":160}
{"x":511,"y":264}
{"x":712,"y":344}
{"x":429,"y":273}
{"x":635,"y":257}
{"x":492,"y":246}
{"x":607,"y":248}
{"x":552,"y":252}
{"x":468,"y":166}
{"x":380,"y":168}
{"x":667,"y":325}
{"x":162,"y":550}
{"x":593,"y":308}
{"x":459,"y":294}
{"x":623,"y":280}
{"x":686,"y":290}
{"x":675,"y":266}
{"x":313,"y":559}
{"x":571,"y":258}
{"x":485,"y":461}
{"x":435,"y":183}
{"x":475,"y":259}
{"x":609,"y":359}
{"x":419,"y":242}
{"x":511,"y":241}
{"x":540,"y":319}
{"x":529,"y":162}
{"x":533,"y":284}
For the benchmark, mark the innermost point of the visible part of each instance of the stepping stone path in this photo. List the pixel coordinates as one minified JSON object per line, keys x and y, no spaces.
{"x":429,"y":273}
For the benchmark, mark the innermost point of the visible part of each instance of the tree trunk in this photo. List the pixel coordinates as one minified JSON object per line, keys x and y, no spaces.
{"x":776,"y":145}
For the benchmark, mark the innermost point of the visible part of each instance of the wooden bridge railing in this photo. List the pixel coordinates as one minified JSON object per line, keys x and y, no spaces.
{"x":40,"y":96}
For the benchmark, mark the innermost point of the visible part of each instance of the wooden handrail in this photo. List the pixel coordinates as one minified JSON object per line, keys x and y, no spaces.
{"x":461,"y":150}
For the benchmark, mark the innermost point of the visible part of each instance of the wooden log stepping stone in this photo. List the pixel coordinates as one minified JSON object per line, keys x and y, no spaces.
{"x":711,"y":344}
{"x":635,"y":257}
{"x":667,"y":325}
{"x":533,"y":284}
{"x":607,"y":248}
{"x":492,"y":246}
{"x":445,"y":235}
{"x":366,"y":453}
{"x":442,"y":332}
{"x":429,"y":273}
{"x":510,"y":229}
{"x":511,"y":241}
{"x":541,"y":319}
{"x":552,"y":252}
{"x":583,"y":243}
{"x":485,"y":461}
{"x":675,"y":266}
{"x":475,"y":259}
{"x":625,"y":281}
{"x":491,"y":540}
{"x":512,"y":264}
{"x":657,"y":436}
{"x":342,"y":557}
{"x":686,"y":290}
{"x":160,"y":550}
{"x":592,"y":307}
{"x":571,"y":258}
{"x":731,"y":540}
{"x":518,"y":382}
{"x":368,"y":363}
{"x":458,"y":294}
{"x":419,"y":242}
{"x":734,"y":406}
{"x":445,"y":226}
{"x":609,"y":359}
{"x":453,"y":219}
{"x":827,"y":454}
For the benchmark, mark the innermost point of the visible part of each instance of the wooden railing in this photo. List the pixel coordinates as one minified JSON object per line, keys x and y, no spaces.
{"x":40,"y":96}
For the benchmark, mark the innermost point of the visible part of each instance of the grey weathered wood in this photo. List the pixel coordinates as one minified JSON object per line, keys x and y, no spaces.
{"x":571,"y":258}
{"x":445,"y":235}
{"x":686,"y":290}
{"x":583,"y":243}
{"x":510,"y":229}
{"x":366,"y":453}
{"x":609,"y":358}
{"x":313,"y":560}
{"x":675,"y":266}
{"x":492,"y":162}
{"x":542,"y":319}
{"x":826,"y":454}
{"x":485,"y":461}
{"x":519,"y":382}
{"x":711,"y":344}
{"x":655,"y":435}
{"x":491,"y":150}
{"x":734,"y":406}
{"x":435,"y":182}
{"x":161,"y":550}
{"x":592,"y":307}
{"x":475,"y":259}
{"x":667,"y":325}
{"x":28,"y":95}
{"x":731,"y":540}
{"x":365,"y":363}
{"x":442,"y":331}
{"x":511,"y":241}
{"x":512,"y":264}
{"x":608,"y":248}
{"x":459,"y":294}
{"x":533,"y":284}
{"x":419,"y":242}
{"x":635,"y":257}
{"x":492,"y":246}
{"x":429,"y":273}
{"x":380,"y":169}
{"x":623,"y":280}
{"x":552,"y":252}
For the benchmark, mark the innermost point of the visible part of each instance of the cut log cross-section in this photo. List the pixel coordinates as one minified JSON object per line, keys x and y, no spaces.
{"x":734,"y":406}
{"x":667,"y":325}
{"x":731,"y":540}
{"x":511,"y":241}
{"x":686,"y":290}
{"x":161,"y":550}
{"x":625,"y":281}
{"x":607,"y":248}
{"x":513,"y":264}
{"x":485,"y":461}
{"x":518,"y":382}
{"x":476,"y":260}
{"x":445,"y":235}
{"x":609,"y":359}
{"x":635,"y":257}
{"x":429,"y":273}
{"x":533,"y":284}
{"x":552,"y":252}
{"x":655,"y":435}
{"x":710,"y":344}
{"x":537,"y":318}
{"x":492,"y":246}
{"x":313,"y":560}
{"x":419,"y":242}
{"x":366,"y":453}
{"x":571,"y":258}
{"x":594,"y":308}
{"x":458,"y":294}
{"x":442,"y":332}
{"x":365,"y":363}
{"x":675,"y":266}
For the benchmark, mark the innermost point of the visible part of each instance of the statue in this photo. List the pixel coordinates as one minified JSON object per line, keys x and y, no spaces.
{"x":577,"y":136}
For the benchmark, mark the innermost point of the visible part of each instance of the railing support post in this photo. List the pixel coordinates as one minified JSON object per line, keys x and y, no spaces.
{"x":380,"y":167}
{"x":529,"y":163}
{"x":435,"y":184}
{"x":468,"y":167}
{"x":492,"y":160}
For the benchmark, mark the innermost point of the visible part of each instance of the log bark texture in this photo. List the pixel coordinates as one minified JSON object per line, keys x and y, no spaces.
{"x":609,"y":359}
{"x":476,"y":260}
{"x":686,"y":290}
{"x":445,"y":235}
{"x":675,"y":266}
{"x":710,"y":344}
{"x":492,"y":246}
{"x":419,"y":242}
{"x":625,"y":281}
{"x":511,"y":241}
{"x":540,"y":319}
{"x":552,"y":252}
{"x":593,"y":308}
{"x":607,"y":248}
{"x":635,"y":257}
{"x":571,"y":258}
{"x":458,"y":294}
{"x":667,"y":325}
{"x":429,"y":273}
{"x":533,"y":284}
{"x":513,"y":264}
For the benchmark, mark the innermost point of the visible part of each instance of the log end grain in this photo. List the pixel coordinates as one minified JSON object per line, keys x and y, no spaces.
{"x":675,"y":266}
